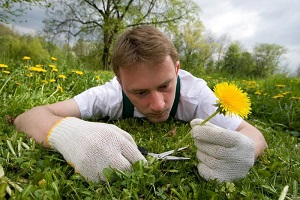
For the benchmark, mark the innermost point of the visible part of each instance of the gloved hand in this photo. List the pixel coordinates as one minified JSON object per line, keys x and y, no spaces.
{"x":90,"y":147}
{"x":224,"y":155}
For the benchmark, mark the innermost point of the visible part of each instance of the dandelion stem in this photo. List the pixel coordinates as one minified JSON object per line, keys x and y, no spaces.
{"x":188,"y":134}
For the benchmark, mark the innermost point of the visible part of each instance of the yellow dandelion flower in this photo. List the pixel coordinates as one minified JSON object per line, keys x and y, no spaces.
{"x":42,"y":182}
{"x":26,"y":58}
{"x":295,"y":98}
{"x":98,"y":78}
{"x":6,"y":72}
{"x":52,"y":80}
{"x":53,"y":58}
{"x":44,"y":81}
{"x":54,"y":69}
{"x":278,"y":96}
{"x":60,"y":88}
{"x":37,"y":69}
{"x":257,"y":92}
{"x":280,"y":86}
{"x":79,"y":72}
{"x":52,"y":66}
{"x":62,"y":76}
{"x":38,"y":66}
{"x":232,"y":100}
{"x":3,"y":66}
{"x":30,"y":75}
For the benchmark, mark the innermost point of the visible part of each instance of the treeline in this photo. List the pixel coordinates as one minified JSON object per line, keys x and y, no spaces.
{"x":83,"y":33}
{"x":199,"y":52}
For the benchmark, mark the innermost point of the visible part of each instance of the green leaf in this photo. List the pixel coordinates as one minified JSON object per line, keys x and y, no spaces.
{"x":295,"y":133}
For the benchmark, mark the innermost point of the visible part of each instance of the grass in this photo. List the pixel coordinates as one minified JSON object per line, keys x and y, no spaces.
{"x":28,"y":171}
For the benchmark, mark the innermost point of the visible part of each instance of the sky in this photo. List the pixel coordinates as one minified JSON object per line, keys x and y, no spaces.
{"x":249,"y":22}
{"x":256,"y":21}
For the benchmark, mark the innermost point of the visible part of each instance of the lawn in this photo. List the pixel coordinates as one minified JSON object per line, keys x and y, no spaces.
{"x":28,"y":171}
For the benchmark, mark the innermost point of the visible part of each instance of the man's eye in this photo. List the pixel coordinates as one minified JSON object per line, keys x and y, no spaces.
{"x":141,"y":93}
{"x":164,"y":86}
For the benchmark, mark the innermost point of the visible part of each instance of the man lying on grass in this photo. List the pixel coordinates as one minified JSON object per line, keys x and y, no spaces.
{"x":148,"y":84}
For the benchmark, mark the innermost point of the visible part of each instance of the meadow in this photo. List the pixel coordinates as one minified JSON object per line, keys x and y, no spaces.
{"x":28,"y":171}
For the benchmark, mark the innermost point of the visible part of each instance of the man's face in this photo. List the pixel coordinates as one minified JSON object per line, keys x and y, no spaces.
{"x":151,"y":90}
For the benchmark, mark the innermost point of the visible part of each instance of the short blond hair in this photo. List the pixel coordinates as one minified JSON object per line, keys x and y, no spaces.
{"x":142,"y":44}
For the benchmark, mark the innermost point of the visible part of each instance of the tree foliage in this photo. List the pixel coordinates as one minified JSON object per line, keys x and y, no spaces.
{"x":102,"y":20}
{"x":268,"y":58}
{"x":10,"y":9}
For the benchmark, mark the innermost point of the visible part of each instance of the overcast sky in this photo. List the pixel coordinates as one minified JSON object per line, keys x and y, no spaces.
{"x":249,"y":22}
{"x":256,"y":21}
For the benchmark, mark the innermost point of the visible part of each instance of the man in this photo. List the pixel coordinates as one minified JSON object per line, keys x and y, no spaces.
{"x":146,"y":65}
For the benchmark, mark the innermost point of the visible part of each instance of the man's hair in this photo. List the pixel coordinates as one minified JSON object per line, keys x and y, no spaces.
{"x":142,"y":44}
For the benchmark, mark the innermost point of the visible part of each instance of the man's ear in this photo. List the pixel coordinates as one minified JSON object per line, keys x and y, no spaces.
{"x":177,"y":67}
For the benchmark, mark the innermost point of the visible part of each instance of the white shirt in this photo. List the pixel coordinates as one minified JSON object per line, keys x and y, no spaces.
{"x":196,"y":101}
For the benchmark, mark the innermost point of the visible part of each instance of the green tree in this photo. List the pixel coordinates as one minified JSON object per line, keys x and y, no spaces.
{"x":102,"y":20}
{"x":268,"y":58}
{"x":232,"y":58}
{"x":10,"y":9}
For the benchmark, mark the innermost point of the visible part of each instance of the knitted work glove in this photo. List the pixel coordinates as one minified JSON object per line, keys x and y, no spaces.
{"x":90,"y":147}
{"x":224,"y":155}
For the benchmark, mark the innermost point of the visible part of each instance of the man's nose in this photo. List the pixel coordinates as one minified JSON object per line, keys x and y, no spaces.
{"x":156,"y":101}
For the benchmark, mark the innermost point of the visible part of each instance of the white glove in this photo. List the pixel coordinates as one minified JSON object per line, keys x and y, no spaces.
{"x":224,"y":155}
{"x":90,"y":147}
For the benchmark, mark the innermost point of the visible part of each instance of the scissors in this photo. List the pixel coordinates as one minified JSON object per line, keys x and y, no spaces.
{"x":164,"y":155}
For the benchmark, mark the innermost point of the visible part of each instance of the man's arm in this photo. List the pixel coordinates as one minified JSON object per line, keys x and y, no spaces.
{"x":255,"y":135}
{"x":37,"y":122}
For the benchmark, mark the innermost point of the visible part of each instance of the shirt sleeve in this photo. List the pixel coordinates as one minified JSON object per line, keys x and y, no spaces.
{"x":101,"y":101}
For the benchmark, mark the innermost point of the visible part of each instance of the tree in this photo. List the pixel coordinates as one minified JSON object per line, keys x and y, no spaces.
{"x":10,"y":9}
{"x":102,"y":20}
{"x":232,"y":58}
{"x":268,"y":58}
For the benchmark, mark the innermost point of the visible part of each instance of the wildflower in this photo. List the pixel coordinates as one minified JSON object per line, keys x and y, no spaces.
{"x":37,"y":69}
{"x":38,"y":66}
{"x":53,"y":58}
{"x":62,"y":76}
{"x":6,"y":72}
{"x":52,"y":66}
{"x":55,"y":70}
{"x":295,"y":98}
{"x":280,"y":86}
{"x":98,"y":78}
{"x":231,"y":101}
{"x":78,"y":72}
{"x":3,"y":66}
{"x":52,"y":80}
{"x":30,"y":75}
{"x":257,"y":92}
{"x":44,"y":81}
{"x":60,"y":88}
{"x":42,"y":182}
{"x":278,"y":96}
{"x":26,"y":58}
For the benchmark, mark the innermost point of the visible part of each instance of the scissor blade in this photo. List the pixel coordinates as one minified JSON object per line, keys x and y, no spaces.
{"x":162,"y":155}
{"x":175,"y":158}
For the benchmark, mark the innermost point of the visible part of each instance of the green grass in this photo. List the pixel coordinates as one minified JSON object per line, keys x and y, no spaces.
{"x":28,"y":171}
